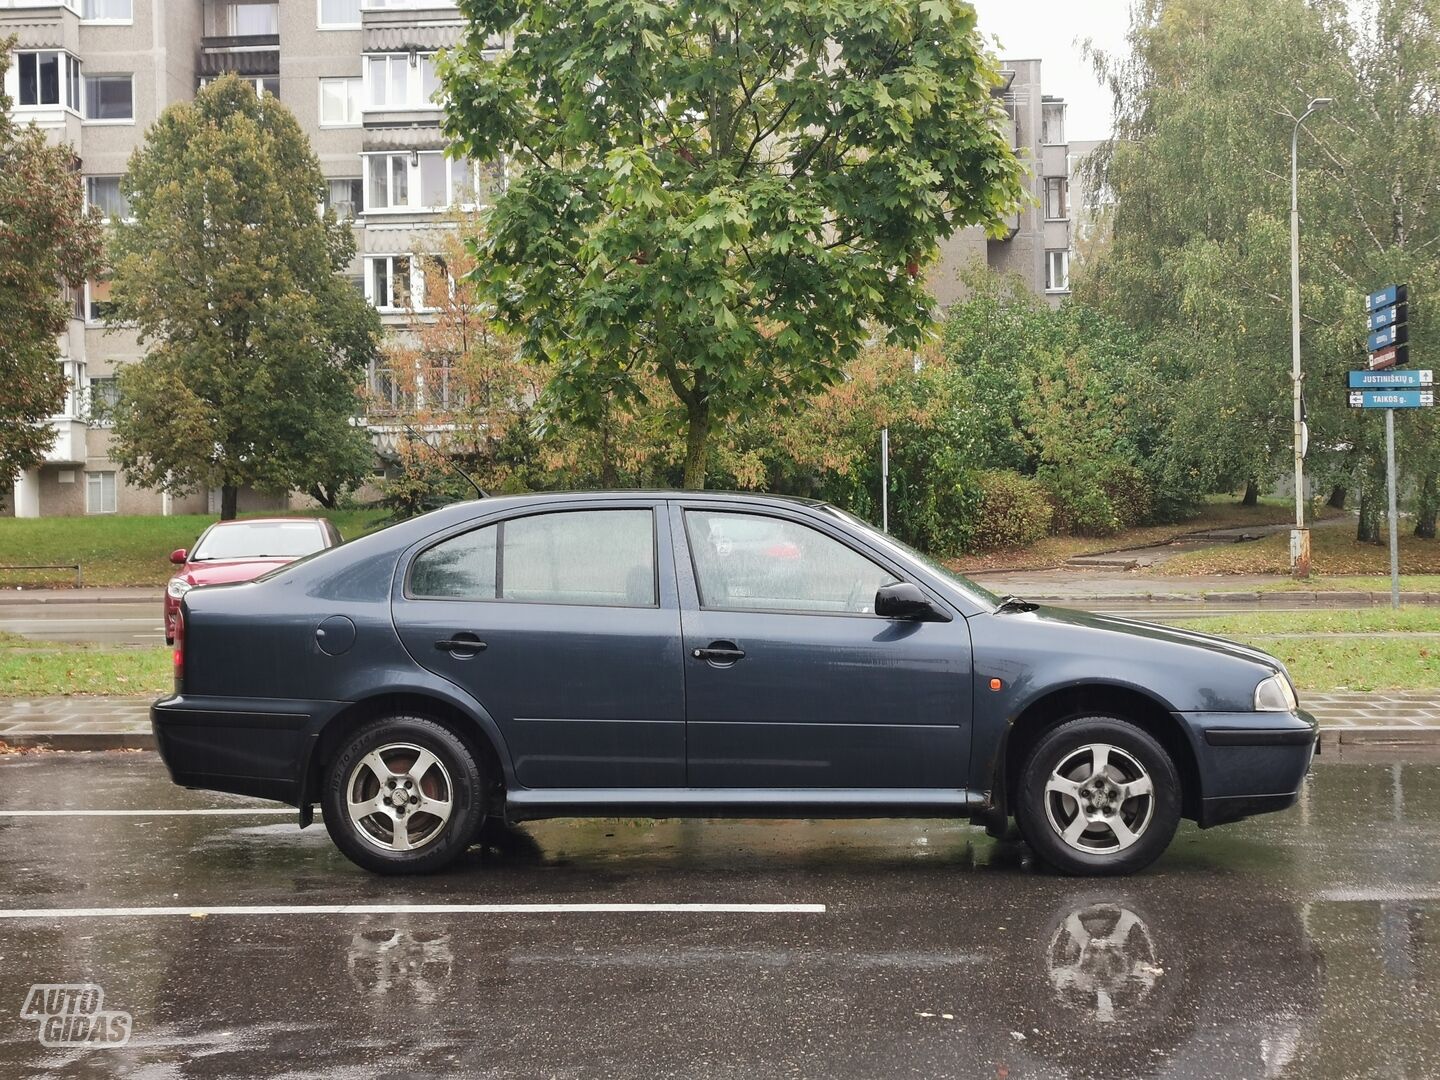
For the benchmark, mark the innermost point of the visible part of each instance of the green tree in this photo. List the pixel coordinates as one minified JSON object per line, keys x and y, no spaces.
{"x":255,"y":342}
{"x":725,"y":195}
{"x":46,"y":243}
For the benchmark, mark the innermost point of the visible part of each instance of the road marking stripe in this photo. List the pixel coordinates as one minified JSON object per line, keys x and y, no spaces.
{"x":227,"y":811}
{"x":413,"y":909}
{"x":1396,"y":894}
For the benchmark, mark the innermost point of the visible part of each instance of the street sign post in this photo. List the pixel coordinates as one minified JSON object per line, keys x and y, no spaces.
{"x":1390,"y":380}
{"x":1385,"y":387}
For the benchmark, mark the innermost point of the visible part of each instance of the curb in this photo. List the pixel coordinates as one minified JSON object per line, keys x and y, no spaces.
{"x":12,"y":597}
{"x":1318,"y":599}
{"x":80,"y":740}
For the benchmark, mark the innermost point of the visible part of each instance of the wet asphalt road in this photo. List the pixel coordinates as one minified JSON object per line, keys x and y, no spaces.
{"x":1305,"y":944}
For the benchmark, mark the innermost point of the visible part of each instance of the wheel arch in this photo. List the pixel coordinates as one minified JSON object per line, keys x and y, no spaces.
{"x":1099,"y":699}
{"x":478,"y":733}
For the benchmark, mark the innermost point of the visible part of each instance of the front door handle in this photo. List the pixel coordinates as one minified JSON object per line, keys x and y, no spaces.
{"x":461,"y":643}
{"x":720,"y":652}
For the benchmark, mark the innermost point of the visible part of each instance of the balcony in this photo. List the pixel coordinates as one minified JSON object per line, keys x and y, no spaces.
{"x":69,"y":447}
{"x":240,"y":37}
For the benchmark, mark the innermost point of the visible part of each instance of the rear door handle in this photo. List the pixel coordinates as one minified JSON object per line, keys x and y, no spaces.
{"x":469,"y":643}
{"x":720,"y":652}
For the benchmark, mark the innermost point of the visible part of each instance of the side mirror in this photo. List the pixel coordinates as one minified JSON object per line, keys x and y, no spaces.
{"x":902,"y":600}
{"x":178,"y":556}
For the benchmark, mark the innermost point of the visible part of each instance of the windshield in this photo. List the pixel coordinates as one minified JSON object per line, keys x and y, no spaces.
{"x":259,"y":539}
{"x":980,"y":594}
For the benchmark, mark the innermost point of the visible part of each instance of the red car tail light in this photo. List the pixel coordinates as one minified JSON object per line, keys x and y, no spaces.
{"x":179,"y":653}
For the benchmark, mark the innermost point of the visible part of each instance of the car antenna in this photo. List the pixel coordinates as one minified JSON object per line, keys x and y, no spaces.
{"x":479,"y":491}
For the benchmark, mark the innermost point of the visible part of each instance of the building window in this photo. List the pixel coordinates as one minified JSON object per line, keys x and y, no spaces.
{"x":434,"y":193}
{"x":104,"y":197}
{"x":1057,"y":271}
{"x":106,"y":11}
{"x":104,"y":396}
{"x":1057,"y":198}
{"x":435,"y":282}
{"x":1052,"y":123}
{"x":388,"y":182}
{"x":109,"y":97}
{"x":389,"y":282}
{"x":398,"y":82}
{"x":98,"y":305}
{"x":421,"y":180}
{"x":339,"y":13}
{"x":49,"y":78}
{"x":237,"y":19}
{"x":340,"y":102}
{"x":100,"y":493}
{"x":263,"y":84}
{"x":393,"y":391}
{"x":345,"y":196}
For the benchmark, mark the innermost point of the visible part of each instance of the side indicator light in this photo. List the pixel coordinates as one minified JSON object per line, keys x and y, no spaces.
{"x":996,"y":684}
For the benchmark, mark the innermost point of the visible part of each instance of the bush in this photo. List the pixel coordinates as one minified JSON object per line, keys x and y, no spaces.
{"x":1013,"y":511}
{"x":1081,"y":506}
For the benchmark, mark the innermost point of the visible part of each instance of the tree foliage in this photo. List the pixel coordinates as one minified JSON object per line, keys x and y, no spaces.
{"x":722,"y":198}
{"x":255,"y":343}
{"x":46,"y":243}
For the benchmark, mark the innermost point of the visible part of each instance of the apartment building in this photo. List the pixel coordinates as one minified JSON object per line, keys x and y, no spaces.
{"x":1037,"y":245}
{"x":359,"y":75}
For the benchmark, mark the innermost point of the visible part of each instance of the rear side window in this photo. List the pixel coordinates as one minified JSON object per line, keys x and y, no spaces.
{"x":604,"y":557}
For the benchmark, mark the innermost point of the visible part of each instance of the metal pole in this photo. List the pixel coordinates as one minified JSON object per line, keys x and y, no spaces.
{"x":1299,"y":545}
{"x":1394,"y":521}
{"x":885,"y":479}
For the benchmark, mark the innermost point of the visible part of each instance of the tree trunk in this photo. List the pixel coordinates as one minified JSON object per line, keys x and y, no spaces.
{"x":229,"y":495}
{"x":1367,"y":530}
{"x":1337,"y":497}
{"x":1426,"y":507}
{"x":697,"y":444}
{"x":1252,"y":493}
{"x":323,"y":497}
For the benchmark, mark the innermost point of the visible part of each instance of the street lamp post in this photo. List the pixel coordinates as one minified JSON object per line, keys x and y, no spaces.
{"x":1300,"y":538}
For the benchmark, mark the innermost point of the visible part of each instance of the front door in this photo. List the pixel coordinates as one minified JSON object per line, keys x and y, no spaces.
{"x":564,"y":625}
{"x":792,"y":681}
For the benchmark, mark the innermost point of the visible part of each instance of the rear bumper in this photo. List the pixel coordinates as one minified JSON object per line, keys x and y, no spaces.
{"x":260,"y":750}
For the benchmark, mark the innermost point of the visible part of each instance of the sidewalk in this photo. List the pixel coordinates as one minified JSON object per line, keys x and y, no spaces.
{"x":1070,"y":585}
{"x":107,"y":594}
{"x":1397,"y":718}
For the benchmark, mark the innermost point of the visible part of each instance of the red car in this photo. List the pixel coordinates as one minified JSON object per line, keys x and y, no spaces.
{"x":240,"y":551}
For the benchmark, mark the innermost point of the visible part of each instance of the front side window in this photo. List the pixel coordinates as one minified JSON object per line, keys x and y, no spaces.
{"x":109,"y":97}
{"x":748,"y":562}
{"x":340,"y":102}
{"x":100,"y":493}
{"x":585,"y":557}
{"x":104,"y":197}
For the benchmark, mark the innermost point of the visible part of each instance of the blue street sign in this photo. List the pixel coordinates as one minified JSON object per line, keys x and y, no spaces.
{"x":1383,"y":317}
{"x":1391,"y":399}
{"x":1391,"y":335}
{"x":1390,"y":294}
{"x":1389,"y":380}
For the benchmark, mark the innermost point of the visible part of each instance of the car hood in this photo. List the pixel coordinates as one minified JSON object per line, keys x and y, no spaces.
{"x":219,"y":571}
{"x":1109,"y":624}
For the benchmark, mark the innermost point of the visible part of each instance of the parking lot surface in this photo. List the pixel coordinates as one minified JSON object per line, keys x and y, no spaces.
{"x":1305,"y":944}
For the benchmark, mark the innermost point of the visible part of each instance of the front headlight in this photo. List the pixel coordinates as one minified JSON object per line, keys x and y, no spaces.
{"x":1275,"y":694}
{"x":178,"y":587}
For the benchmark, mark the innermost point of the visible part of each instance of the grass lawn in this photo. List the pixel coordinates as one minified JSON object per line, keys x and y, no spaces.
{"x":1217,"y":512}
{"x":1325,"y":661}
{"x":1333,"y":553}
{"x":42,"y":669}
{"x":114,"y":550}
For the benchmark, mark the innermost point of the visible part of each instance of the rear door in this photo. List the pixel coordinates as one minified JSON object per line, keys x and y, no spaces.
{"x":565,"y":625}
{"x":791,"y":679}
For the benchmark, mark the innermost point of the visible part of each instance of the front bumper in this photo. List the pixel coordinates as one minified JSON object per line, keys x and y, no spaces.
{"x":1251,"y":763}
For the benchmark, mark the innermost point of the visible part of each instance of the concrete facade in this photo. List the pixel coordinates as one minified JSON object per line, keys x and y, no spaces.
{"x":1037,"y":246}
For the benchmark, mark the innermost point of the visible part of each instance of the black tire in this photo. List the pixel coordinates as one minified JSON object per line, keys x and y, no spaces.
{"x":1100,"y":848}
{"x":372,"y":841}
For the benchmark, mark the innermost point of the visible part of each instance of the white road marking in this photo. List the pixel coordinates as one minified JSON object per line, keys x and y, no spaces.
{"x":413,"y":909}
{"x":1379,"y":895}
{"x":227,"y":811}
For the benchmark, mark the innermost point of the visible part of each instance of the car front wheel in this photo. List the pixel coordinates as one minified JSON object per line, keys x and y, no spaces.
{"x":403,"y":796}
{"x":1098,"y":795}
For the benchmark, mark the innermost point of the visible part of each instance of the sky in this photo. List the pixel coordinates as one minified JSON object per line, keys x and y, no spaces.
{"x":1054,"y":31}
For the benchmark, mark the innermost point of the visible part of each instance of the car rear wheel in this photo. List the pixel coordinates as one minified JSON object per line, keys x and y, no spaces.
{"x":1098,"y":795}
{"x":403,"y":796}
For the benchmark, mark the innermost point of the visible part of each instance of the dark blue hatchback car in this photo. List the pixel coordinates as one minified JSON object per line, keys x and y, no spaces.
{"x":699,"y":654}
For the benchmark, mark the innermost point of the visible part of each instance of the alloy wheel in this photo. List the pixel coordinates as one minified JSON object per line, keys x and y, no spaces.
{"x":1099,"y":799}
{"x":399,"y":797}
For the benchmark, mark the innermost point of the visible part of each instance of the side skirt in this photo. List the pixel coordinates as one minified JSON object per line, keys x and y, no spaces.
{"x":530,"y":804}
